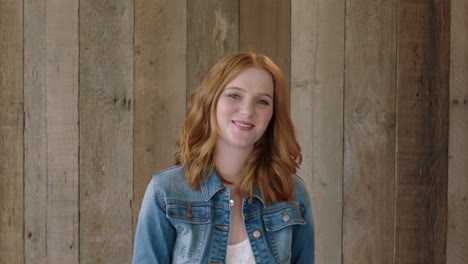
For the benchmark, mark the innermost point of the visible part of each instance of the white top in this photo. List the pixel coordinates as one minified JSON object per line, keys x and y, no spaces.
{"x":240,"y":253}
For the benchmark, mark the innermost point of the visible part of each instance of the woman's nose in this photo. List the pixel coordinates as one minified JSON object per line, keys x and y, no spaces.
{"x":247,"y":108}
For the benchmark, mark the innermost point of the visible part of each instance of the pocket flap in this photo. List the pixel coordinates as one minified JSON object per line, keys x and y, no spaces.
{"x":190,"y":212}
{"x":282,"y":216}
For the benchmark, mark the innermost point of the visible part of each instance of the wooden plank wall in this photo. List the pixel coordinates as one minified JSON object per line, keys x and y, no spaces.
{"x":106,"y":131}
{"x":93,"y":94}
{"x":11,"y":132}
{"x":317,"y":77}
{"x":159,"y":88}
{"x":212,"y":33}
{"x":457,"y":215}
{"x":369,"y":132}
{"x":265,"y":27}
{"x":51,"y":131}
{"x":35,"y":131}
{"x":422,"y":139}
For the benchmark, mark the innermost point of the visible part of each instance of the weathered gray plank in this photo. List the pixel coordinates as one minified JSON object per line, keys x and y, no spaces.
{"x":51,"y":131}
{"x":106,"y":125}
{"x":317,"y":56}
{"x":35,"y":134}
{"x":457,"y":229}
{"x":369,"y":132}
{"x":212,"y":33}
{"x":423,"y":86}
{"x":265,"y":27}
{"x":11,"y":132}
{"x":62,"y":130}
{"x":160,"y":80}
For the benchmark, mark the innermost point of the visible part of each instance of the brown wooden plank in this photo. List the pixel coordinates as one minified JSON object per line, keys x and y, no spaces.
{"x":212,"y":33}
{"x":369,"y":132}
{"x":106,"y":125}
{"x":11,"y":132}
{"x":423,"y":78}
{"x":317,"y":56}
{"x":160,"y":79}
{"x":51,"y":131}
{"x":35,"y":134}
{"x":265,"y":27}
{"x":457,"y":215}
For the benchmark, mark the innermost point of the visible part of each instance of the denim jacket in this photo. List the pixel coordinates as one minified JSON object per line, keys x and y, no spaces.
{"x":180,"y":225}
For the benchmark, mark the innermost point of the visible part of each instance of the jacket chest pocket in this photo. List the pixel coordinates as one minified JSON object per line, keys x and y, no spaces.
{"x":279,"y":223}
{"x":191,"y":220}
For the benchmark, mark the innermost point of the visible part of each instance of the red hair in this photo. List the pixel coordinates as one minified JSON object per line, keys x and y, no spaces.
{"x":275,"y":157}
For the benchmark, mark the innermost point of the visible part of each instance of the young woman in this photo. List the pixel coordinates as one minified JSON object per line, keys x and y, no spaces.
{"x":233,"y":196}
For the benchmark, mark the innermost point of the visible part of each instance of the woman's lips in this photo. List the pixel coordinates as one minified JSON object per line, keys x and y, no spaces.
{"x":242,"y":125}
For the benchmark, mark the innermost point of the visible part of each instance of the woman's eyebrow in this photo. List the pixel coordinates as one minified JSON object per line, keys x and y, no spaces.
{"x":243,"y":90}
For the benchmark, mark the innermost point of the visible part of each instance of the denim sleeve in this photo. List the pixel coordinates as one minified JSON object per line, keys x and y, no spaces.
{"x":303,"y":245}
{"x":155,"y":235}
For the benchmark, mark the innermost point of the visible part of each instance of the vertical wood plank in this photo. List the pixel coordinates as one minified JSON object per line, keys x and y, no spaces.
{"x":369,"y":131}
{"x":423,"y":78}
{"x":457,"y":228}
{"x":212,"y":33}
{"x":62,"y":130}
{"x":317,"y":57}
{"x":265,"y":27}
{"x":51,"y":131}
{"x":35,"y":134}
{"x":160,"y":79}
{"x":106,"y":125}
{"x":11,"y":132}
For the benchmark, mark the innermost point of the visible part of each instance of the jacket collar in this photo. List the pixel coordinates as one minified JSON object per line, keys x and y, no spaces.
{"x":213,"y":184}
{"x":258,"y":195}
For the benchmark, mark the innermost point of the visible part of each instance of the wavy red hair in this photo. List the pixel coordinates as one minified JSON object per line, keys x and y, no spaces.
{"x":276,"y":156}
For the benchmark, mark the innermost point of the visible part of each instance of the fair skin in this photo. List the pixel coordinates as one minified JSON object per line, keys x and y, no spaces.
{"x":243,"y":112}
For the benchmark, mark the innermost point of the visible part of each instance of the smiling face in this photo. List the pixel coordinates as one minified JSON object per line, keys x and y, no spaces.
{"x":244,"y":109}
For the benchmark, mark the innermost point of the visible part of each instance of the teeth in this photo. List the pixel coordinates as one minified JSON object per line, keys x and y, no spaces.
{"x":242,"y":125}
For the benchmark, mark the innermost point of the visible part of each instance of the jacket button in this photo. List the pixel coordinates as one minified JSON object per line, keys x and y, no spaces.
{"x":257,"y":234}
{"x":250,"y":201}
{"x":189,"y":214}
{"x":286,"y":218}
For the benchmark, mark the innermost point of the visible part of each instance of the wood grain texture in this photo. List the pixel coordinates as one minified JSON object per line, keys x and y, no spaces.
{"x":457,"y":227}
{"x":317,"y":56}
{"x":35,"y":134}
{"x":423,"y":78}
{"x":61,"y":77}
{"x":212,"y":33}
{"x":160,"y":79}
{"x":106,"y":125}
{"x":51,"y":131}
{"x":11,"y":132}
{"x":265,"y":27}
{"x":369,"y":132}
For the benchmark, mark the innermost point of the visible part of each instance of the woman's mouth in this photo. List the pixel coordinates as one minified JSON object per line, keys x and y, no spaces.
{"x":243,"y":125}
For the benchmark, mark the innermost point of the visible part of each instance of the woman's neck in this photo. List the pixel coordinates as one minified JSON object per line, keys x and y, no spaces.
{"x":229,"y":163}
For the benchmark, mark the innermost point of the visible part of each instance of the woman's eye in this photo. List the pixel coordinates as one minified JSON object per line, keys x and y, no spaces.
{"x":234,"y":96}
{"x":263,"y":102}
